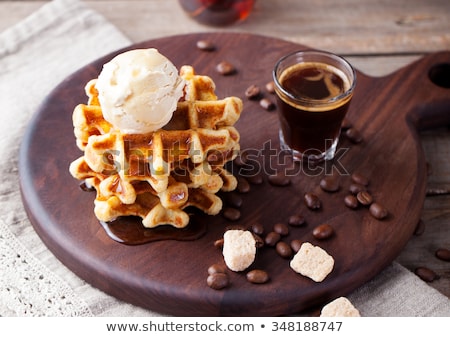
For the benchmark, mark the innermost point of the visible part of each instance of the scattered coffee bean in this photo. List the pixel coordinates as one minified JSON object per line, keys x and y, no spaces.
{"x":378,"y":211}
{"x":257,"y":276}
{"x":240,"y":160}
{"x":217,"y":268}
{"x":329,"y":183}
{"x":360,"y":179}
{"x":255,"y":179}
{"x":259,"y":241}
{"x":296,"y":220}
{"x":270,"y":87}
{"x":281,"y":229}
{"x":356,"y":188}
{"x":296,"y":244}
{"x":420,"y":228}
{"x":346,"y":124}
{"x":426,"y":274}
{"x":267,"y":104}
{"x":257,"y":228}
{"x":283,"y":249}
{"x":231,"y":214}
{"x":279,"y":179}
{"x":443,"y":254}
{"x":312,"y":201}
{"x":354,"y":135}
{"x":225,"y":68}
{"x":350,"y":201}
{"x":205,"y":45}
{"x":272,"y":238}
{"x":233,"y":199}
{"x":323,"y":231}
{"x":364,"y":198}
{"x":217,"y":281}
{"x":252,"y":92}
{"x":218,"y":243}
{"x":243,"y":185}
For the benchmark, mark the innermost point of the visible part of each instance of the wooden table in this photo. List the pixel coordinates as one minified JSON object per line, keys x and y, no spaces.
{"x":377,"y":37}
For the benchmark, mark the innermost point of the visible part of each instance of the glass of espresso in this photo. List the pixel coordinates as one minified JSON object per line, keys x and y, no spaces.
{"x":314,"y":90}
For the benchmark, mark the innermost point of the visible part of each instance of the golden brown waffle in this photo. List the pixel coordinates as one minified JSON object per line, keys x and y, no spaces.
{"x":156,"y":176}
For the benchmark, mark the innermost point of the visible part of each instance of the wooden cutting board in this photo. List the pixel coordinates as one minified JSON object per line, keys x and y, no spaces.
{"x":170,"y":276}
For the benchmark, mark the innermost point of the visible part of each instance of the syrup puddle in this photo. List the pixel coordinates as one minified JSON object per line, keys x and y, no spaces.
{"x":130,"y":231}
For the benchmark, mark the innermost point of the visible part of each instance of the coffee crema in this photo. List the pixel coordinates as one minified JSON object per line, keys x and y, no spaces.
{"x":314,"y":81}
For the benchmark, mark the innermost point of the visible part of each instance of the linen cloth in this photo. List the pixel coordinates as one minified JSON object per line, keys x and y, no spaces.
{"x":37,"y":54}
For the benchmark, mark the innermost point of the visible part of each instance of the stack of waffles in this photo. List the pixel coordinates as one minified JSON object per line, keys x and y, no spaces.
{"x":156,"y":176}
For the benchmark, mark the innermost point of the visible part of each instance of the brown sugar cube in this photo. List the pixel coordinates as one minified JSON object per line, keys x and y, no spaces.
{"x":340,"y":307}
{"x":313,"y":262}
{"x":239,"y":249}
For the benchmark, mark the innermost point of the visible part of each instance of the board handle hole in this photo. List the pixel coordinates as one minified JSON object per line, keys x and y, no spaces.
{"x":440,"y":75}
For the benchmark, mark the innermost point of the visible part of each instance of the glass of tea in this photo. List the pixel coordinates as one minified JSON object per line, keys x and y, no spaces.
{"x":217,"y":12}
{"x":314,"y":90}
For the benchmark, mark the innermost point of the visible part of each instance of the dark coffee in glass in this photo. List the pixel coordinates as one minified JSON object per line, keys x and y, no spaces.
{"x":314,"y":91}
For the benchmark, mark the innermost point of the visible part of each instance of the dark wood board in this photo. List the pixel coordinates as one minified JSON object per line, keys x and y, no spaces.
{"x":170,"y":276}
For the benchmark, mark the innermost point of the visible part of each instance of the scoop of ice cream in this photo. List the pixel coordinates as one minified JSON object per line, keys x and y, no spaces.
{"x":139,"y":90}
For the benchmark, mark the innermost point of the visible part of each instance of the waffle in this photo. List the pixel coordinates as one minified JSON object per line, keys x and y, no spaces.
{"x":156,"y":176}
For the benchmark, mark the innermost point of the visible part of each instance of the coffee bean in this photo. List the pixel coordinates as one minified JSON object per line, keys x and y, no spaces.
{"x":283,"y":249}
{"x":267,"y":104}
{"x":218,"y":243}
{"x":420,"y":228}
{"x":296,"y":220}
{"x":346,"y":124}
{"x":323,"y":231}
{"x":330,"y":183}
{"x":259,"y":241}
{"x":356,"y":188}
{"x":243,"y":185}
{"x":296,"y":244}
{"x":231,"y":214}
{"x":233,"y":200}
{"x":279,"y":179}
{"x":378,"y":211}
{"x":255,"y":179}
{"x":206,"y":45}
{"x":281,"y":229}
{"x":225,"y":68}
{"x":257,"y":228}
{"x":443,"y":254}
{"x":312,"y":201}
{"x":360,"y":179}
{"x":354,"y":135}
{"x":364,"y":198}
{"x":270,"y":87}
{"x":257,"y":276}
{"x":350,"y":201}
{"x":272,"y":238}
{"x":240,"y":160}
{"x":217,"y":281}
{"x":426,"y":274}
{"x":252,"y":92}
{"x":217,"y":268}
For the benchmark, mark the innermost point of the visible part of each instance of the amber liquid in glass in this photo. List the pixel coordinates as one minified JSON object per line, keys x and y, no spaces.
{"x":308,"y":128}
{"x":217,"y":12}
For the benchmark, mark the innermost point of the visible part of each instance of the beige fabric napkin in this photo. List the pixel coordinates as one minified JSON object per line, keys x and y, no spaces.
{"x":35,"y":55}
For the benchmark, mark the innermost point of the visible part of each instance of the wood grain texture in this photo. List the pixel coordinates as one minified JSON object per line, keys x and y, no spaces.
{"x":170,"y":276}
{"x":347,"y":26}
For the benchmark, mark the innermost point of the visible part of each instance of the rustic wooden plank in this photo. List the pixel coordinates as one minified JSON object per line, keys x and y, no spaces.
{"x":346,"y":26}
